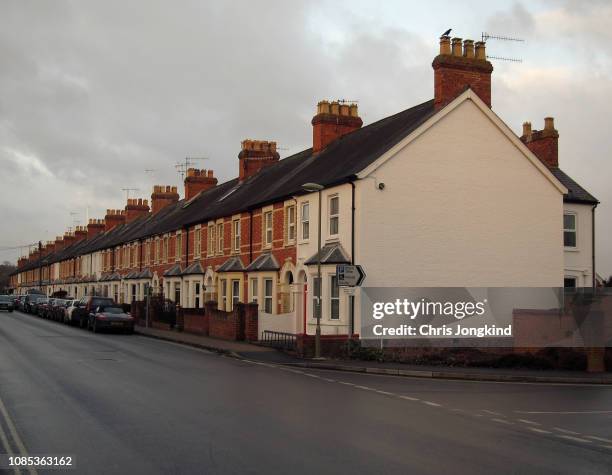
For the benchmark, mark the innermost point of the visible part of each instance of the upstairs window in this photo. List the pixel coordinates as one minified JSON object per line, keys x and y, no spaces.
{"x":236,"y":235}
{"x":334,"y":215}
{"x":569,"y":230}
{"x":179,"y":246}
{"x":220,"y":238}
{"x":197,"y":242}
{"x":211,"y":239}
{"x":305,"y":220}
{"x":267,"y":229}
{"x":290,"y":224}
{"x":166,"y":249}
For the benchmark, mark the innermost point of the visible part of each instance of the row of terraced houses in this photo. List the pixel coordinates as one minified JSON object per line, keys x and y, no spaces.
{"x":440,"y":194}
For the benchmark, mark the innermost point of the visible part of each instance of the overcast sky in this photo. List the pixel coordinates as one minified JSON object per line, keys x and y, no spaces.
{"x":93,"y":93}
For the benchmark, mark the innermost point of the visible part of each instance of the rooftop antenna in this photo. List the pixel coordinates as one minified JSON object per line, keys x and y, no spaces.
{"x":182,"y":167}
{"x":75,"y":221}
{"x":348,"y":101}
{"x":488,"y":36}
{"x":127,"y":192}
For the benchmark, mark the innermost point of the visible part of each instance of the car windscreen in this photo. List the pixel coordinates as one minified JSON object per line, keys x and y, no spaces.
{"x":114,"y":310}
{"x":101,"y":302}
{"x":4,"y":298}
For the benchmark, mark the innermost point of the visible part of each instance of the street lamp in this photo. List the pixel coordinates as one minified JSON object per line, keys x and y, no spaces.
{"x":312,"y":188}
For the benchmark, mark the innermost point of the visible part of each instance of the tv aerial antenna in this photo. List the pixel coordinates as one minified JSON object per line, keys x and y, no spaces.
{"x":127,"y":192}
{"x":489,"y":36}
{"x":182,"y":167}
{"x":73,"y":217}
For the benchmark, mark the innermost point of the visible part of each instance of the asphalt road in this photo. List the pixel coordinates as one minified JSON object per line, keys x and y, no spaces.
{"x":128,"y":404}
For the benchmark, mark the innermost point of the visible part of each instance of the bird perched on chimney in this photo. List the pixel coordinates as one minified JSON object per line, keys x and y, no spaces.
{"x":447,"y":32}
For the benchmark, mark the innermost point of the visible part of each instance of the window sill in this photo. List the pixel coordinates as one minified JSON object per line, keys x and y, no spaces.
{"x":571,"y":249}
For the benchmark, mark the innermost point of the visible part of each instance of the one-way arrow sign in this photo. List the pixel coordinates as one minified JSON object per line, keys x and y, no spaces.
{"x":349,"y":275}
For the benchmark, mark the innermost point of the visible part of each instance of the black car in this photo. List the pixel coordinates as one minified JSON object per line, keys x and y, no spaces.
{"x":6,"y":303}
{"x":110,"y":318}
{"x":29,"y":301}
{"x":87,"y":305}
{"x":38,"y":305}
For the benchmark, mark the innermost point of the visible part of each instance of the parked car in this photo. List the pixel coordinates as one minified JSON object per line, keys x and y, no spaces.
{"x":17,"y":302}
{"x":87,"y":305}
{"x":110,"y":317}
{"x":56,"y":309}
{"x":6,"y":303}
{"x":39,"y":305}
{"x":71,"y":306}
{"x":30,"y":300}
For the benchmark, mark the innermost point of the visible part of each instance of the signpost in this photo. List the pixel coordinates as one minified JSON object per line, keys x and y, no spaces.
{"x":349,"y":275}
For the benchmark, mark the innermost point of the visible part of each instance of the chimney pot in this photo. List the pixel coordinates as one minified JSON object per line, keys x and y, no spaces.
{"x":549,"y":123}
{"x":328,"y":127}
{"x":456,"y":47}
{"x":468,"y":49}
{"x":481,"y":54}
{"x":527,"y":129}
{"x":445,"y":47}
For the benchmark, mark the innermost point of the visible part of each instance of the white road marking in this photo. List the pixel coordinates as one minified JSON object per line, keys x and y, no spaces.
{"x":526,"y":421}
{"x":493,"y":413}
{"x":539,"y":431}
{"x":365,"y":388}
{"x":563,"y":412}
{"x":434,"y":404}
{"x":384,"y":392}
{"x":575,"y":439}
{"x":408,"y":398}
{"x":600,"y":439}
{"x":606,"y":446}
{"x":565,"y":431}
{"x":15,"y":436}
{"x":502,"y":421}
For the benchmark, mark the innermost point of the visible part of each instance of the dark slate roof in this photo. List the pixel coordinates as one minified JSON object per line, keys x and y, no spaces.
{"x":575,"y":194}
{"x":146,"y":274}
{"x":194,"y":268}
{"x":174,"y":271}
{"x":264,"y":262}
{"x":132,"y":275}
{"x":332,"y":253}
{"x":233,"y":264}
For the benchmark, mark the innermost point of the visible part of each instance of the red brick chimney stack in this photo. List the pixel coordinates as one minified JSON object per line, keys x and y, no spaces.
{"x":163,"y":196}
{"x":68,"y":239}
{"x":333,"y":120}
{"x":136,"y":208}
{"x":197,"y":181}
{"x":59,"y":243}
{"x":80,"y":233}
{"x":255,"y":155}
{"x":94,"y":227}
{"x":543,"y":143}
{"x":457,"y":67}
{"x":114,"y":217}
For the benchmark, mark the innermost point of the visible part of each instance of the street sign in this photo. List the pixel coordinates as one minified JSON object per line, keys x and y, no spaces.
{"x":349,"y":275}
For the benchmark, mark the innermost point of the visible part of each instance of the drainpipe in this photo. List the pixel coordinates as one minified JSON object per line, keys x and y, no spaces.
{"x":251,"y":236}
{"x":593,"y":245}
{"x":352,"y":297}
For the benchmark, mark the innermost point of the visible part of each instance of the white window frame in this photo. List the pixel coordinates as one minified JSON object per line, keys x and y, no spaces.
{"x":333,"y":298}
{"x":335,"y":216}
{"x":236,"y":235}
{"x":211,"y":240}
{"x":305,"y":220}
{"x":290,"y":224}
{"x":178,"y":246}
{"x":235,"y":297}
{"x":254,"y":289}
{"x":268,"y":299}
{"x":166,"y":248}
{"x":267,"y":213}
{"x":223,"y":284}
{"x":197,"y":242}
{"x":569,"y":230}
{"x":220,"y":236}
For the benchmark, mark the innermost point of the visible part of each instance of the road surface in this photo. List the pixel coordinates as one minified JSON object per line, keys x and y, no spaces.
{"x":129,"y":404}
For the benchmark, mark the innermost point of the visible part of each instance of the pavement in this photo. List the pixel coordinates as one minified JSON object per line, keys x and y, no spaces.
{"x":265,"y":354}
{"x":132,"y":404}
